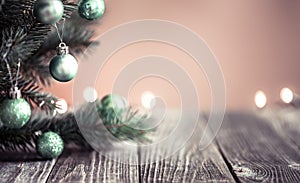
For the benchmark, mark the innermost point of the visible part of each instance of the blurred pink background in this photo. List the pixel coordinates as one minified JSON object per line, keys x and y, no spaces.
{"x":256,"y":43}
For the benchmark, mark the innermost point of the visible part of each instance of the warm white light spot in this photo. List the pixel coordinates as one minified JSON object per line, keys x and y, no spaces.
{"x":148,"y":100}
{"x":260,"y":99}
{"x":62,"y":106}
{"x":286,"y":95}
{"x":90,"y":94}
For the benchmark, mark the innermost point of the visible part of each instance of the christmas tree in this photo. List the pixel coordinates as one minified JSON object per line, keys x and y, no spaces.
{"x":40,"y":40}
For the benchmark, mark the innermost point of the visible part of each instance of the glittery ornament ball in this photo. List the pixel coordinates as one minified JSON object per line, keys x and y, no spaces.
{"x":15,"y":113}
{"x":91,"y":9}
{"x":48,"y":11}
{"x":50,"y":145}
{"x":63,"y":68}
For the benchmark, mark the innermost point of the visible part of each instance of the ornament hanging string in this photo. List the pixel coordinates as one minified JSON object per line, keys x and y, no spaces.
{"x":10,"y":72}
{"x":60,"y":35}
{"x":63,"y":67}
{"x":12,"y":116}
{"x":62,"y":48}
{"x":14,"y":90}
{"x":8,"y":67}
{"x":18,"y":72}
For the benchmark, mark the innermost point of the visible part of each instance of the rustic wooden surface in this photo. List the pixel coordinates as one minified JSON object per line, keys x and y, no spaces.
{"x":17,"y":167}
{"x":250,"y":147}
{"x":189,"y":164}
{"x":255,"y":150}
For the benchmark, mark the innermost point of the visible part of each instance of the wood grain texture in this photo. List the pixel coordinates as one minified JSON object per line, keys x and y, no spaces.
{"x":249,"y":148}
{"x":24,"y":167}
{"x":286,"y":121}
{"x":83,"y":166}
{"x":256,"y":152}
{"x":188,"y":164}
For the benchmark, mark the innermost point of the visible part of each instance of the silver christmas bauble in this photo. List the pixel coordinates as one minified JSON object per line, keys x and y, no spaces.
{"x":63,"y":67}
{"x":48,"y":11}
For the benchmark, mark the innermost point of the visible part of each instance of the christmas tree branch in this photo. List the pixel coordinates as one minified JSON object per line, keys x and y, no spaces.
{"x":32,"y":44}
{"x":24,"y":36}
{"x":75,"y":127}
{"x":29,"y":89}
{"x":76,"y":35}
{"x":14,"y":13}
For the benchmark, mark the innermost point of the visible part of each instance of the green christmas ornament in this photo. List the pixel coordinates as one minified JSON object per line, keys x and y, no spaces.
{"x":48,"y":11}
{"x":15,"y":113}
{"x":114,"y":102}
{"x":50,"y":145}
{"x":91,"y":9}
{"x":63,"y":67}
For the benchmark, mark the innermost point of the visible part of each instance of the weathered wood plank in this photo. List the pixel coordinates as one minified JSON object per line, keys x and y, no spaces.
{"x":256,"y":152}
{"x":286,"y":121}
{"x":24,"y":167}
{"x":86,"y":166}
{"x":189,"y":164}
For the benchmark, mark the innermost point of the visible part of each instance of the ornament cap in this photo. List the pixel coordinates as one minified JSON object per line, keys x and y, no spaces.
{"x":62,"y":49}
{"x":15,"y":93}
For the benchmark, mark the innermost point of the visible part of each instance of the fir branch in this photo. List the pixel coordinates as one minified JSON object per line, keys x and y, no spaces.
{"x":29,"y":90}
{"x":77,"y":36}
{"x":35,"y":43}
{"x":33,"y":93}
{"x":21,"y":43}
{"x":16,"y":13}
{"x":74,"y":128}
{"x":25,"y":38}
{"x":121,"y":123}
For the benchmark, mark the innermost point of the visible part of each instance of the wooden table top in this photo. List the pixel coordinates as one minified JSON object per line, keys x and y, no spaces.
{"x":250,"y":147}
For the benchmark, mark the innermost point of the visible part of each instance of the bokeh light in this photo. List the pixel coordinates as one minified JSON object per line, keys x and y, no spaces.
{"x":148,"y":99}
{"x":62,"y":106}
{"x":90,"y":94}
{"x":286,"y":95}
{"x":260,"y":99}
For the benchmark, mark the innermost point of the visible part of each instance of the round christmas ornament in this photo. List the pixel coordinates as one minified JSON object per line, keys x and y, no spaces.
{"x":114,"y":102}
{"x":91,"y":9}
{"x":15,"y":112}
{"x":48,"y":11}
{"x":63,"y":67}
{"x":50,"y":145}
